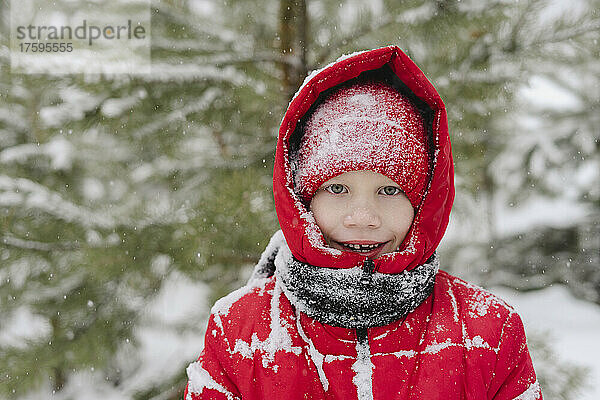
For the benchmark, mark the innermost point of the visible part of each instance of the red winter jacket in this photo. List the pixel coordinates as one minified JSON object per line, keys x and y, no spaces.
{"x":456,"y":342}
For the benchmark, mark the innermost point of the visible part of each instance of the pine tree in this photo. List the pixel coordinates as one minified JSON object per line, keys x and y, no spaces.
{"x":113,"y":186}
{"x":556,"y":141}
{"x":110,"y":186}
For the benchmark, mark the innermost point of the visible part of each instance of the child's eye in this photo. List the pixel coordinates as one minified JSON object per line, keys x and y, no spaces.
{"x":390,"y":190}
{"x":336,"y":188}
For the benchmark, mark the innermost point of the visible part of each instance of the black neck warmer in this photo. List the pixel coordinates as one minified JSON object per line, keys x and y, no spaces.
{"x":338,"y":297}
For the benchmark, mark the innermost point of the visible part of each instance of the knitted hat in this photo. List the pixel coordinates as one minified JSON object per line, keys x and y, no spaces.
{"x":365,"y":126}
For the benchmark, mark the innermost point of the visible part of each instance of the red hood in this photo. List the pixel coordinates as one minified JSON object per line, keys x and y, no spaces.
{"x":303,"y":236}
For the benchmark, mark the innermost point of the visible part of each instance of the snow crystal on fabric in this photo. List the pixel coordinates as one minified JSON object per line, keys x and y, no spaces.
{"x":337,"y":297}
{"x":454,"y":303}
{"x":533,"y":392}
{"x":265,"y":266}
{"x":314,"y":354}
{"x":483,"y":301}
{"x":316,"y":72}
{"x":402,"y":353}
{"x":363,"y":367}
{"x":200,"y":379}
{"x":279,"y":338}
{"x":315,"y":236}
{"x":223,"y":305}
{"x":329,"y":358}
{"x":410,"y":246}
{"x":435,"y":348}
{"x":479,"y":343}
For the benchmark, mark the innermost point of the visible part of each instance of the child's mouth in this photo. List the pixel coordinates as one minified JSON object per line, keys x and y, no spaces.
{"x":362,"y":248}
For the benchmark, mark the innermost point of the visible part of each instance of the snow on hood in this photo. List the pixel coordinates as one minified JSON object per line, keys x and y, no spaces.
{"x":302,"y":235}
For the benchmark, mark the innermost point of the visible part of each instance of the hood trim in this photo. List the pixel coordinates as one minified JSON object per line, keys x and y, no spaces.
{"x":303,"y":236}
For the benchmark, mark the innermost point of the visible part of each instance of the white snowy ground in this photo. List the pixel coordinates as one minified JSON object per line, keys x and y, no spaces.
{"x":572,"y":325}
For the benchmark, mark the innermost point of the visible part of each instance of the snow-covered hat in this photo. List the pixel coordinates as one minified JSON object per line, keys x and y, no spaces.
{"x":364,"y":126}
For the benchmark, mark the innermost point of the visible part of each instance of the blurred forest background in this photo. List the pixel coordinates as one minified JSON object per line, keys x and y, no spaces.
{"x":128,"y":204}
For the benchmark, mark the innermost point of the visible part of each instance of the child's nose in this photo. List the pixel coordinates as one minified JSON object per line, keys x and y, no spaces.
{"x":362,"y":217}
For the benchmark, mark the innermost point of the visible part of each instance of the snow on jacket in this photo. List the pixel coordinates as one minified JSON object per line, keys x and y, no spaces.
{"x":298,"y":330}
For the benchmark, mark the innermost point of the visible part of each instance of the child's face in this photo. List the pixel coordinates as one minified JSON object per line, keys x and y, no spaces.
{"x":363,"y":212}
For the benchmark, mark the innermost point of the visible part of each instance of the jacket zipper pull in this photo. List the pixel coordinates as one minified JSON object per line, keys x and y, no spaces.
{"x":367,"y":271}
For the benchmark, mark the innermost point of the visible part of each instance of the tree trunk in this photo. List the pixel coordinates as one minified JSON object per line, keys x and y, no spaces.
{"x":286,"y":43}
{"x":302,"y":21}
{"x":293,"y":43}
{"x":59,"y":379}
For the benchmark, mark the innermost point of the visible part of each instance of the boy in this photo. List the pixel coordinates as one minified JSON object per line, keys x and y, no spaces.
{"x":347,"y":301}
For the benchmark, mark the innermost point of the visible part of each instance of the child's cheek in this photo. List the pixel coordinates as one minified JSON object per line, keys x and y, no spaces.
{"x":327,"y":211}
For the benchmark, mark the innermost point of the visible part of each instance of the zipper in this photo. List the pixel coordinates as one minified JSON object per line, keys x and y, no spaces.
{"x":367,"y":271}
{"x":362,"y":335}
{"x":363,"y":367}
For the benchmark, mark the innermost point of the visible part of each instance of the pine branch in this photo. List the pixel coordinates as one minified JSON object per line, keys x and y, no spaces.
{"x":407,"y":17}
{"x":568,"y":34}
{"x":32,"y":195}
{"x":18,"y":243}
{"x":190,"y":21}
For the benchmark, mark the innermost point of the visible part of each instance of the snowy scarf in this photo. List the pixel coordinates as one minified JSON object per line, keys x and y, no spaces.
{"x":338,"y":297}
